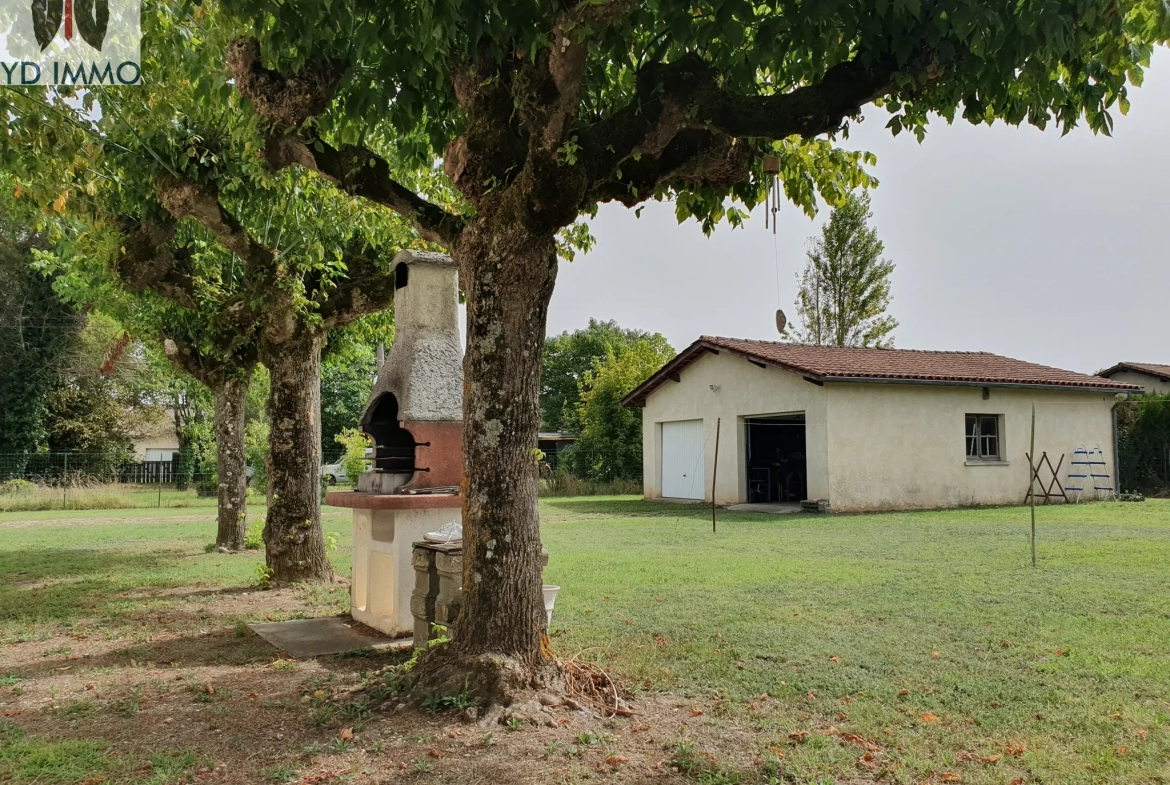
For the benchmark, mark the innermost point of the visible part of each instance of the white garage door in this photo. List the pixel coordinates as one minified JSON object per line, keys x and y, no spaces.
{"x":682,"y":459}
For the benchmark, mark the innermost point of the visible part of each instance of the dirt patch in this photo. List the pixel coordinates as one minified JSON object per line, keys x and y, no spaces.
{"x":26,"y":523}
{"x":190,"y":682}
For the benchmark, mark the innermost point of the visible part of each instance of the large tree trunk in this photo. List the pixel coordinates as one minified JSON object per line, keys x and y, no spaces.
{"x":508,"y":277}
{"x":231,"y":465}
{"x":294,"y":545}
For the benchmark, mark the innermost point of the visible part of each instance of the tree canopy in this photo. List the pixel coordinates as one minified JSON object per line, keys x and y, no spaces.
{"x":845,"y":285}
{"x":568,"y":357}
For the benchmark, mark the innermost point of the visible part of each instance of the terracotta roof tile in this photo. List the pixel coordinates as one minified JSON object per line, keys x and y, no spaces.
{"x":831,"y":363}
{"x":1153,"y":369}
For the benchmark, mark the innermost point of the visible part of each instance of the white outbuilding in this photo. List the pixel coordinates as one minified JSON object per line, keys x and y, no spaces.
{"x":868,"y":429}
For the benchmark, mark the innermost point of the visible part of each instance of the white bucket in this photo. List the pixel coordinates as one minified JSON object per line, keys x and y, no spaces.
{"x":550,"y":599}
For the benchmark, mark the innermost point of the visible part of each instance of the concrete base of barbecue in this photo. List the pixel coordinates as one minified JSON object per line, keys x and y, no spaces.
{"x":385,"y":526}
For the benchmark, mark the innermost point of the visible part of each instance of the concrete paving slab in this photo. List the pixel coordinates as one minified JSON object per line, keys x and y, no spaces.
{"x":774,"y":508}
{"x":317,"y":637}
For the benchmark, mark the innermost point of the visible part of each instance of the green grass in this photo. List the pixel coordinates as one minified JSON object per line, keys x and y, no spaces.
{"x":943,"y":605}
{"x":100,"y":567}
{"x":72,"y":761}
{"x":862,"y":624}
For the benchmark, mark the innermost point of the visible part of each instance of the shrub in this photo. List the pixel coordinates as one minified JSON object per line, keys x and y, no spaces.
{"x":17,"y":488}
{"x":254,"y":537}
{"x":356,"y":443}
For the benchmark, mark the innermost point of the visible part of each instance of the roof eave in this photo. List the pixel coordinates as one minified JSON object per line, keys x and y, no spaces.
{"x":1119,"y":387}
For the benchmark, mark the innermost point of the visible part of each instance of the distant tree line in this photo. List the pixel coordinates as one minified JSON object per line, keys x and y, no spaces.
{"x":586,"y":374}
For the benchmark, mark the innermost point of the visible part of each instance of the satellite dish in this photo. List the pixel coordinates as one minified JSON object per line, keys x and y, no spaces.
{"x":781,"y":321}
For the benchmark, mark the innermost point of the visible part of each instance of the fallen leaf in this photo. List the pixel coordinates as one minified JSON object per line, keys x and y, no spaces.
{"x":696,"y":712}
{"x":17,"y":191}
{"x":660,"y":640}
{"x":841,"y":716}
{"x":868,"y":761}
{"x":1015,"y":749}
{"x":641,"y":728}
{"x":1018,"y":781}
{"x":89,"y":686}
{"x":1141,"y":734}
{"x":847,"y":699}
{"x":617,"y":760}
{"x":1122,"y":750}
{"x":779,"y":753}
{"x":987,"y":760}
{"x":798,"y":736}
{"x":962,"y":756}
{"x":1061,"y":653}
{"x":209,"y":689}
{"x":903,"y":693}
{"x":629,"y":621}
{"x":950,"y":776}
{"x":934,"y":654}
{"x":1038,"y":716}
{"x":811,"y":694}
{"x":834,"y":658}
{"x":434,"y":753}
{"x":928,"y":717}
{"x":346,"y":734}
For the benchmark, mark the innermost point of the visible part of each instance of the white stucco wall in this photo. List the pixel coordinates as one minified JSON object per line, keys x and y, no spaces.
{"x":902,"y":446}
{"x":874,"y":446}
{"x":744,"y":390}
{"x":1151,"y":384}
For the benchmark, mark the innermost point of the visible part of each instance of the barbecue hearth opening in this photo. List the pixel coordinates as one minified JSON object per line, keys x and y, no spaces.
{"x":393,"y":444}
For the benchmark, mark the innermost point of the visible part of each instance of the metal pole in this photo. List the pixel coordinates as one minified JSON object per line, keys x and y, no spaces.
{"x":65,"y":482}
{"x":715,"y":472}
{"x":1031,"y":487}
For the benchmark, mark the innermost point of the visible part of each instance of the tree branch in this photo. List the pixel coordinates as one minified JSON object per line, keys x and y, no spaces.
{"x":289,"y":101}
{"x":146,"y":261}
{"x":286,"y":101}
{"x":185,"y":198}
{"x":647,"y":141}
{"x":367,"y":288}
{"x":360,"y":172}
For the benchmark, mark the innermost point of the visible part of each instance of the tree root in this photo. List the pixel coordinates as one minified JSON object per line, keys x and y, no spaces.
{"x":496,"y":689}
{"x":501,"y":688}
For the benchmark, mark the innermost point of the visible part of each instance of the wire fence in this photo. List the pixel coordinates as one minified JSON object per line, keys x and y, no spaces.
{"x":89,"y":481}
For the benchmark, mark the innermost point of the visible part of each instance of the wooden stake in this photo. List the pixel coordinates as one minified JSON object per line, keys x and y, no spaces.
{"x":715,"y":472}
{"x":1031,"y":486}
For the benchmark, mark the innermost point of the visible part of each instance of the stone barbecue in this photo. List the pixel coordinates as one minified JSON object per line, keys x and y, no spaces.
{"x":415,"y":419}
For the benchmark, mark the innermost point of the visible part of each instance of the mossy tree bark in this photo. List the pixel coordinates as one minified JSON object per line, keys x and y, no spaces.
{"x":231,"y":464}
{"x":294,"y":544}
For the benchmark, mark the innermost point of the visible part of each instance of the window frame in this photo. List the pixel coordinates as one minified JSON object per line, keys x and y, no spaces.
{"x":982,"y":439}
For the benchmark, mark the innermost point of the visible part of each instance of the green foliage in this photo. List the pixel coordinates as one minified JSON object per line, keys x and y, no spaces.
{"x":254,"y":537}
{"x":1143,"y":444}
{"x":610,"y":443}
{"x":437,"y":704}
{"x":1059,"y":62}
{"x":263,"y":575}
{"x":845,"y":286}
{"x":17,"y":487}
{"x":256,"y":453}
{"x":36,"y":330}
{"x":568,"y":357}
{"x":354,"y":460}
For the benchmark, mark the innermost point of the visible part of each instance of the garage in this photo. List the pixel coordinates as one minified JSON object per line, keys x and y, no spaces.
{"x":776,"y":459}
{"x":682,"y":459}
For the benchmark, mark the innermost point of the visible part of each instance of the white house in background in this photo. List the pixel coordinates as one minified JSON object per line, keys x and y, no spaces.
{"x":1151,"y":377}
{"x":156,"y":440}
{"x":864,"y":429}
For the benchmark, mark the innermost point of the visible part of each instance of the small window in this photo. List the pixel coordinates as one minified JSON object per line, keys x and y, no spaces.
{"x":983,"y":437}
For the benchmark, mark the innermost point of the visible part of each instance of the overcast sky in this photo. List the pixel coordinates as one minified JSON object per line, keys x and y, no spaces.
{"x":1009,"y":240}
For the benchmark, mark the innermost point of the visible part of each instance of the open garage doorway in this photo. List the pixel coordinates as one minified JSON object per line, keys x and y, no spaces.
{"x":777,"y":468}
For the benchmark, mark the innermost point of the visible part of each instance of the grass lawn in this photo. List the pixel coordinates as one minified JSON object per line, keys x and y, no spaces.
{"x":909,"y":648}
